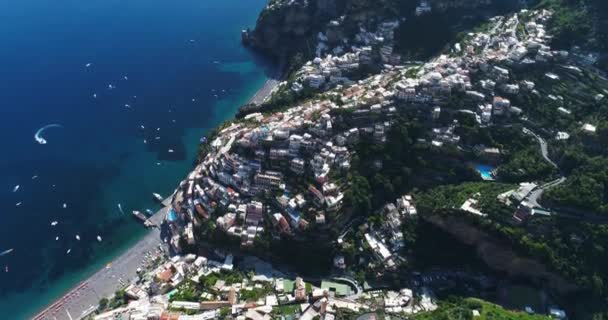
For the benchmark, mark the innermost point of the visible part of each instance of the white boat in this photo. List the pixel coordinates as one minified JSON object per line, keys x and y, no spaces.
{"x":18,"y":204}
{"x":38,"y":135}
{"x":65,"y":205}
{"x":128,"y":106}
{"x":158,"y":197}
{"x":120,"y":209}
{"x":88,"y":64}
{"x":111,"y":86}
{"x":157,"y":138}
{"x":5,"y":252}
{"x":149,"y":212}
{"x":94,"y":95}
{"x":142,"y":127}
{"x":16,"y":188}
{"x":170,"y":150}
{"x":125,"y":77}
{"x":78,"y":237}
{"x":54,"y":223}
{"x":57,"y":238}
{"x":68,"y":252}
{"x":145,"y":141}
{"x":34,"y":177}
{"x":99,"y":238}
{"x":139,"y":215}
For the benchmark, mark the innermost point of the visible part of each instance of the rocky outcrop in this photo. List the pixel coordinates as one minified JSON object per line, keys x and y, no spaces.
{"x":283,"y":26}
{"x":288,"y":26}
{"x":498,"y":256}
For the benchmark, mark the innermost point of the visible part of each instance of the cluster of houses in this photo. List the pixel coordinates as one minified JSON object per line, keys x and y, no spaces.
{"x":330,"y":70}
{"x":271,"y":156}
{"x":387,"y":241}
{"x":151,"y":298}
{"x":267,"y":156}
{"x":485,"y":56}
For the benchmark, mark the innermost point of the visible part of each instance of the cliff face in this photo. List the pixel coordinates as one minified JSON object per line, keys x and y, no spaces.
{"x":285,"y":25}
{"x":498,"y":256}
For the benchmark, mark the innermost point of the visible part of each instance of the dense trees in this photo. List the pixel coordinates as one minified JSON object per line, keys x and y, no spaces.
{"x":462,"y":309}
{"x":526,"y":165}
{"x":586,"y":188}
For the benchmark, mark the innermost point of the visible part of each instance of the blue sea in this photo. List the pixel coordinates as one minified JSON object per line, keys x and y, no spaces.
{"x":102,"y":69}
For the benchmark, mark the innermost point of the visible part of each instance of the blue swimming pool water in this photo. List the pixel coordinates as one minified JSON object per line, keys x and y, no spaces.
{"x":485,"y":171}
{"x":172,"y":215}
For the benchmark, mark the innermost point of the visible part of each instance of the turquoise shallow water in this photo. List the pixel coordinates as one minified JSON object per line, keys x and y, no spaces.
{"x":177,"y":68}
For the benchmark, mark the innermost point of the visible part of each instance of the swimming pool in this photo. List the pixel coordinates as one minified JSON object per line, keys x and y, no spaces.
{"x":172,"y":217}
{"x":485,"y":171}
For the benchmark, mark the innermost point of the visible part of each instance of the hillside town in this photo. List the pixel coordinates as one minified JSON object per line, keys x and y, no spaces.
{"x":291,"y":157}
{"x":278,"y":174}
{"x":193,"y":287}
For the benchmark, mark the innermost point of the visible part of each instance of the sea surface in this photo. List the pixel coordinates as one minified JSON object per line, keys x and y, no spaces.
{"x":131,"y":86}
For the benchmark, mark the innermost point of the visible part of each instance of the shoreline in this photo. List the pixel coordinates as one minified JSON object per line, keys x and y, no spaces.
{"x":83,"y":298}
{"x":264,"y":92}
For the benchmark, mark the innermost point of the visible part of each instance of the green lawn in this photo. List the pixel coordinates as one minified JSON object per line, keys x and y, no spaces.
{"x":340,"y":289}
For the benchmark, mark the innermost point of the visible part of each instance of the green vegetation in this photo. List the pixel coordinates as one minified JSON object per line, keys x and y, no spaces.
{"x":285,"y":310}
{"x":186,"y":291}
{"x":118,"y":300}
{"x":526,"y":165}
{"x":586,"y":189}
{"x":462,"y":309}
{"x":256,"y":293}
{"x":453,"y":196}
{"x":383,"y":171}
{"x":571,"y":23}
{"x":573,"y":247}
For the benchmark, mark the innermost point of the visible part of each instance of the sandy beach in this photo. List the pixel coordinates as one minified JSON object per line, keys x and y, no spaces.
{"x":264,"y":92}
{"x":83,"y":299}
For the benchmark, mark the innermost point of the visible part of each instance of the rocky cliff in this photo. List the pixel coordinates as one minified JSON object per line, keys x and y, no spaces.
{"x":288,"y":26}
{"x":498,"y":256}
{"x":283,"y":26}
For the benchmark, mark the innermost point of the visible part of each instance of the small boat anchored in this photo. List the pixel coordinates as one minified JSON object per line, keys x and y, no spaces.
{"x":139,"y":215}
{"x":158,"y":197}
{"x":99,"y":238}
{"x":5,"y":252}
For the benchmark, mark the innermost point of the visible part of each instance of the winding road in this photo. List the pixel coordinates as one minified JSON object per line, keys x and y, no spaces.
{"x":533,"y":197}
